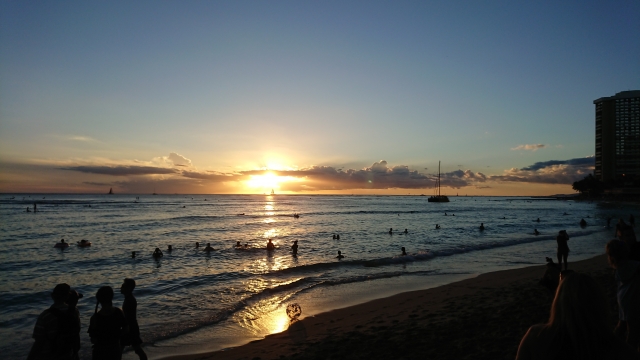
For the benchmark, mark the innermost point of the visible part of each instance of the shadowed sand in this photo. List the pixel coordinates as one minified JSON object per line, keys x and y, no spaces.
{"x":480,"y":318}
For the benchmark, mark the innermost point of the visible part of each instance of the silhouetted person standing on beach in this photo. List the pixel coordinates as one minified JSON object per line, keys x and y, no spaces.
{"x":563,"y":248}
{"x":107,"y":327}
{"x":57,"y":329}
{"x":340,"y":256}
{"x":129,"y":307}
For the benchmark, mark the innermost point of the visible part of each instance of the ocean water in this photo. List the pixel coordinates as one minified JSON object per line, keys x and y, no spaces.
{"x":192,"y":301}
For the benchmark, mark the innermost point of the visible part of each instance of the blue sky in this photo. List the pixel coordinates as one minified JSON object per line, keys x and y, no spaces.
{"x":234,"y":87}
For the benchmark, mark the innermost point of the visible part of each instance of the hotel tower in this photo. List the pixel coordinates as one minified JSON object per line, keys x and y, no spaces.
{"x":618,"y":139}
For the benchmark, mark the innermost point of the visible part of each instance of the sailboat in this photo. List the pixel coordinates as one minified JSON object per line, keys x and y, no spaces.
{"x":438,"y":197}
{"x":110,"y":191}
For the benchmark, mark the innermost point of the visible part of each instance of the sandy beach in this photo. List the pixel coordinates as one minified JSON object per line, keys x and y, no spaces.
{"x":480,"y":318}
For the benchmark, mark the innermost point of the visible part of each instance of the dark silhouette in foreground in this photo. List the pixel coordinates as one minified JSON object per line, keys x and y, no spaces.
{"x":129,"y":307}
{"x":107,"y":327}
{"x":294,"y":248}
{"x":57,"y":329}
{"x":627,"y":275}
{"x":578,"y":327}
{"x":563,"y":248}
{"x":340,"y":256}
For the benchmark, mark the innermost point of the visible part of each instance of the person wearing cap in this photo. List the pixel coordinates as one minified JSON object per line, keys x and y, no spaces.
{"x":57,"y":329}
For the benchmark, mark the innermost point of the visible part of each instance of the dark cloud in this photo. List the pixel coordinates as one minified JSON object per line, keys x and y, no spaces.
{"x":583,"y":162}
{"x":550,"y":172}
{"x":377,"y":176}
{"x":121,"y":170}
{"x":461,"y":178}
{"x":96,"y":183}
{"x":213,"y":176}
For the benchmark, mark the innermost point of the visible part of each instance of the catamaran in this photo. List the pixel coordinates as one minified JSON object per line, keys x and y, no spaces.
{"x":437,"y":197}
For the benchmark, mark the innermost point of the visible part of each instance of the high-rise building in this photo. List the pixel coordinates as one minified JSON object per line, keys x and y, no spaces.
{"x":618,"y":139}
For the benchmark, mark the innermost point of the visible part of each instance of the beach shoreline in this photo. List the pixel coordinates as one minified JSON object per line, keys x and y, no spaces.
{"x":480,"y":317}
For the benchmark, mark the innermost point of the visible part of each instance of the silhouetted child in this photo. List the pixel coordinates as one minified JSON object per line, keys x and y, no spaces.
{"x":551,"y":276}
{"x":107,"y":327}
{"x":340,"y":256}
{"x":129,"y":307}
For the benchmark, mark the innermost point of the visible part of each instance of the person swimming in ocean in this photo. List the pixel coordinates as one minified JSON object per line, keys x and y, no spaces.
{"x":390,"y":231}
{"x":406,"y":231}
{"x":536,"y":232}
{"x":404,"y":252}
{"x":270,"y":246}
{"x":169,"y":248}
{"x":481,"y":226}
{"x":538,"y":220}
{"x":238,"y":244}
{"x":157,"y":253}
{"x":246,"y":245}
{"x":133,"y":254}
{"x":294,"y":248}
{"x":340,"y":256}
{"x":437,"y":226}
{"x":208,"y":248}
{"x":334,"y":237}
{"x":197,"y":244}
{"x":583,"y":223}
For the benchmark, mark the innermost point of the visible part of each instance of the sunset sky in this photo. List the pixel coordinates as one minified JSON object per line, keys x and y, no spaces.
{"x":356,"y":97}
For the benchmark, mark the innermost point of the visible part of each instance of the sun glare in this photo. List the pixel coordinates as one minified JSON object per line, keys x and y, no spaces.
{"x":266,"y":182}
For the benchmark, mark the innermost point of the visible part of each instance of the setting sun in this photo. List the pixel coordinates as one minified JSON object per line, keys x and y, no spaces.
{"x":266,"y":181}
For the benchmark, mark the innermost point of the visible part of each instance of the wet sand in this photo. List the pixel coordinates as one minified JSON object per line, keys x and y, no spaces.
{"x":480,"y":318}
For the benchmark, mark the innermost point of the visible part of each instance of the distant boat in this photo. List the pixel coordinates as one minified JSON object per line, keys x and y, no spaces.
{"x":438,"y":197}
{"x":154,"y":191}
{"x":110,"y":191}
